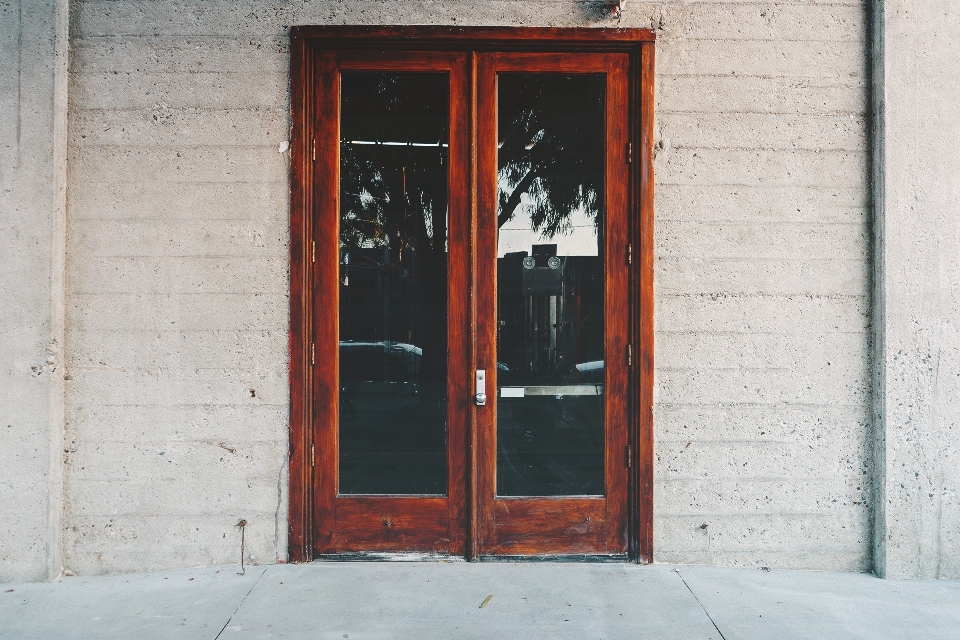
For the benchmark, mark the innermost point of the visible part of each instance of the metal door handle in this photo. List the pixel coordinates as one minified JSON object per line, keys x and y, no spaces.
{"x":481,"y":388}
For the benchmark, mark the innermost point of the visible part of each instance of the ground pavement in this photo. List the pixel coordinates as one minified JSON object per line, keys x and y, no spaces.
{"x":449,"y":600}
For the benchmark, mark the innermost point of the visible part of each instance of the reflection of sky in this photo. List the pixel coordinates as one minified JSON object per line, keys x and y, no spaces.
{"x":578,"y":240}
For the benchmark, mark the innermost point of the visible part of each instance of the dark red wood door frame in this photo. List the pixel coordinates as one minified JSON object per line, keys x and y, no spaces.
{"x":312,"y":382}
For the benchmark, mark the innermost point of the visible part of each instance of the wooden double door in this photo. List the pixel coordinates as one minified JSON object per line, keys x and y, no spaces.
{"x":467,"y":303}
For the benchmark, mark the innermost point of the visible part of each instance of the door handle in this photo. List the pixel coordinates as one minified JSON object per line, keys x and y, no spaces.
{"x":481,"y":388}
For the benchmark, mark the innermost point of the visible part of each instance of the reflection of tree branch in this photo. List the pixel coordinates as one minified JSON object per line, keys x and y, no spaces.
{"x":506,"y":211}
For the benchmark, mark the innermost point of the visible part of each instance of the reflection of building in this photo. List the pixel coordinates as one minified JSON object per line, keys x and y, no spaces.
{"x":550,"y":311}
{"x":550,"y":323}
{"x":389,"y":296}
{"x":392,"y":435}
{"x":376,"y":291}
{"x":392,"y":372}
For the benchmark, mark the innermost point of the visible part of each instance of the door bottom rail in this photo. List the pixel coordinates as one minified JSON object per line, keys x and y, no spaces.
{"x":375,"y":556}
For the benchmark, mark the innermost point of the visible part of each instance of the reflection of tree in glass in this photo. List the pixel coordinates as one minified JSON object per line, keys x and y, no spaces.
{"x":551,"y":147}
{"x":393,"y":215}
{"x":393,"y":182}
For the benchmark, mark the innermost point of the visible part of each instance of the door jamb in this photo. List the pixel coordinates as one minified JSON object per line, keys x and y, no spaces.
{"x":639,"y":44}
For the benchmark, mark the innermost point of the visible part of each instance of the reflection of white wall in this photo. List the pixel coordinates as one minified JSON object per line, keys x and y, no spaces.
{"x":580,"y":239}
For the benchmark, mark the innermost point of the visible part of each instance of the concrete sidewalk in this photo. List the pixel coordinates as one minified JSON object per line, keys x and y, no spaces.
{"x":443,"y":600}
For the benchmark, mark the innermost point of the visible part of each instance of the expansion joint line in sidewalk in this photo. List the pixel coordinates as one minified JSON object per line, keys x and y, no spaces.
{"x":244,"y":599}
{"x":707,"y":613}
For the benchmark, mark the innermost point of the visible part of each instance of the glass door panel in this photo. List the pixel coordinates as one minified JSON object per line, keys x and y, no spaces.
{"x":550,"y":334}
{"x":394,"y":139}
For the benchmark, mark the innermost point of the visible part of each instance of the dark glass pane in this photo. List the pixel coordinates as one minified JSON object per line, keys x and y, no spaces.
{"x":550,"y":418}
{"x":393,"y":283}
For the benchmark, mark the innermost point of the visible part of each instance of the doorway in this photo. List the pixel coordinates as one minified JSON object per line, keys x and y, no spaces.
{"x":471,"y":367}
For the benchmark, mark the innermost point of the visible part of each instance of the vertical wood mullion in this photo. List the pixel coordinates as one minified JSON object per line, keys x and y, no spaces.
{"x":471,"y":475}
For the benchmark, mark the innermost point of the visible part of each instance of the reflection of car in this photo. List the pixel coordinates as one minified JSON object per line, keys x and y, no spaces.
{"x":379,"y":362}
{"x":378,"y":379}
{"x":504,"y":375}
{"x":392,"y":421}
{"x":589,"y":372}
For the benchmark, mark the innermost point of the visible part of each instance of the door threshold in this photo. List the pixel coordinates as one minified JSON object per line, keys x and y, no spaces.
{"x":577,"y":557}
{"x":387,"y":557}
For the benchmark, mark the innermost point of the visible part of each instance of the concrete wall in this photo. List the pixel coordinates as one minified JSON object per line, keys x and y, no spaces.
{"x":762,"y":414}
{"x":177,"y":279}
{"x":918,"y":289}
{"x":178,"y":397}
{"x":177,"y":275}
{"x":32,"y":180}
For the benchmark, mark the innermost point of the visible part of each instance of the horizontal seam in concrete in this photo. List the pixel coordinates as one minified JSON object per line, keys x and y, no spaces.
{"x":856,"y":514}
{"x":818,"y":150}
{"x":802,"y":259}
{"x":785,"y":334}
{"x":707,"y":185}
{"x":760,"y":405}
{"x":765,"y":295}
{"x":236,"y":144}
{"x":762,"y":223}
{"x":661,"y":112}
{"x":173,"y":442}
{"x":750,"y":441}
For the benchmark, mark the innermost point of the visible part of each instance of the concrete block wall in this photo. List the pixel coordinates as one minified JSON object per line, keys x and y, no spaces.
{"x":177,"y":275}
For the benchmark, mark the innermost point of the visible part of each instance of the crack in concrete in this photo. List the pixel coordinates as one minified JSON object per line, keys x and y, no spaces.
{"x":276,"y":514}
{"x":244,"y":599}
{"x":703,"y":608}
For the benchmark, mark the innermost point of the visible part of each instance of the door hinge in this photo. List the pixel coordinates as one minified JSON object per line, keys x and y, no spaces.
{"x":313,"y":457}
{"x":629,"y":253}
{"x":312,"y":353}
{"x":313,"y":251}
{"x":629,"y":456}
{"x":314,"y":149}
{"x":629,"y":355}
{"x":629,"y":152}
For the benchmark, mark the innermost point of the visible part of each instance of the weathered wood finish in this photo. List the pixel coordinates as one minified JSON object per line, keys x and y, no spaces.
{"x":642,"y":302}
{"x":345,"y":523}
{"x":469,"y":521}
{"x":547,"y":526}
{"x":301,"y":200}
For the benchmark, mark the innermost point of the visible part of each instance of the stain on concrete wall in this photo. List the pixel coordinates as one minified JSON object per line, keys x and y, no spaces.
{"x":177,"y":275}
